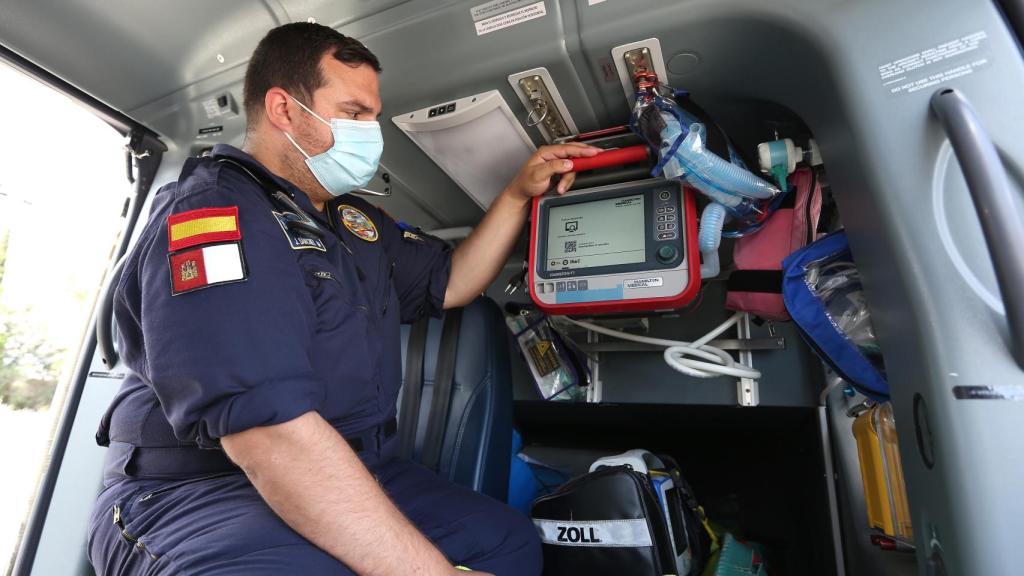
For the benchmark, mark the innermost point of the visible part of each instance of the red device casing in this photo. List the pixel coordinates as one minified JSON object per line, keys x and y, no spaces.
{"x":633,"y":304}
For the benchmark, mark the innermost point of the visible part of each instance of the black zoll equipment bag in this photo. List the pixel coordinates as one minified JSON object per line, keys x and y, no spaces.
{"x":621,"y":518}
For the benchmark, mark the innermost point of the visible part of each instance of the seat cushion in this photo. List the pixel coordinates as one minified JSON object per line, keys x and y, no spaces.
{"x":477,"y":442}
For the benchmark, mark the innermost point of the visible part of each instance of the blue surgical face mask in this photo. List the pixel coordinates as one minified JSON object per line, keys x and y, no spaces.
{"x":352,"y":160}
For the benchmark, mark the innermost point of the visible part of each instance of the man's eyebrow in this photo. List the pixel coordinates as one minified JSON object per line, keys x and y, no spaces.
{"x":361,"y":107}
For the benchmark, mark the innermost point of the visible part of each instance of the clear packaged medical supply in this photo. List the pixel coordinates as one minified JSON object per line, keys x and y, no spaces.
{"x":558,"y":367}
{"x":822,"y":291}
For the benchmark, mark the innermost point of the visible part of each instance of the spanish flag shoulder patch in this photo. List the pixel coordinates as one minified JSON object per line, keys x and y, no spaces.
{"x":202,"y":226}
{"x":205,"y":249}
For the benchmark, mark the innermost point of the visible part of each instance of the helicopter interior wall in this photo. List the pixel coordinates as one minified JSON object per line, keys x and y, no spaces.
{"x":819,"y":59}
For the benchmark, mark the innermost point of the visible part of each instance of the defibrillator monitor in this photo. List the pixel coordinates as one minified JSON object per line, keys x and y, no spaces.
{"x":618,"y":248}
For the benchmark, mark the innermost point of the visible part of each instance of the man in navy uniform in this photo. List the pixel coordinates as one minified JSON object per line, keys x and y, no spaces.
{"x":259,"y":313}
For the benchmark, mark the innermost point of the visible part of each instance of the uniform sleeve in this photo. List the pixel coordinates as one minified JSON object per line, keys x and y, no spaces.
{"x":231,"y":354}
{"x":422,"y":265}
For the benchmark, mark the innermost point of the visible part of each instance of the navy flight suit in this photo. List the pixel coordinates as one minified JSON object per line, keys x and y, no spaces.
{"x":304,"y":323}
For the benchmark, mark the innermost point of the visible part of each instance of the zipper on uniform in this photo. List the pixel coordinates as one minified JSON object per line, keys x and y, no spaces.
{"x":133,"y":540}
{"x":387,"y":289}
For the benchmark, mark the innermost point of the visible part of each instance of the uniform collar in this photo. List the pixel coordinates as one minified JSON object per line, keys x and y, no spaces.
{"x":300,"y":197}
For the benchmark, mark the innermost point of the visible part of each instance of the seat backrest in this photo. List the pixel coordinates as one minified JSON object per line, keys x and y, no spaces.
{"x":477,"y":433}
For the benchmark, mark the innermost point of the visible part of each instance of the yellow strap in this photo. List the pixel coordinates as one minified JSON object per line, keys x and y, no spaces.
{"x":707,"y":526}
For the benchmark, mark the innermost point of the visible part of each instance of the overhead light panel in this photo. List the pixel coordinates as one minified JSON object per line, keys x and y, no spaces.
{"x":476,"y":140}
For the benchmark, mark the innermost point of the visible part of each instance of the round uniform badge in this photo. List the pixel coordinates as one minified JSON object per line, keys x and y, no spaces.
{"x":358,"y":223}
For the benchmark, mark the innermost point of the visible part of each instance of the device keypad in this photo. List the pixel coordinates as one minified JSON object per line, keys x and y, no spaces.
{"x":665,"y":215}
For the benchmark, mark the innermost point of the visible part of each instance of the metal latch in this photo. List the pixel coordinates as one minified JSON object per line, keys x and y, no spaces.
{"x":544,"y":105}
{"x":636,"y":57}
{"x":637,"y":60}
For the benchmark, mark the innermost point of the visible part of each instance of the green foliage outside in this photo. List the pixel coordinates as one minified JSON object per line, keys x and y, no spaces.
{"x":29,"y":367}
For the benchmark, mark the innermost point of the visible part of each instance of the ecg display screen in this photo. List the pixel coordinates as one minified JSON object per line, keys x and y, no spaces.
{"x":600,"y":233}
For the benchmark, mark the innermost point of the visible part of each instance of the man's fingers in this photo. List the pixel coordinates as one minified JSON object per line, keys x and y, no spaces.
{"x":570,"y":150}
{"x":548,"y":169}
{"x":566,"y":182}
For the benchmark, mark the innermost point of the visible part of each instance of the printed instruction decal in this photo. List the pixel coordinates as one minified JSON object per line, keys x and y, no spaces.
{"x":499,"y":14}
{"x":947,"y":61}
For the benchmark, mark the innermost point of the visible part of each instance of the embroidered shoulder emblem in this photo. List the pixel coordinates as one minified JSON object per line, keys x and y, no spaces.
{"x":205,"y":249}
{"x":202,"y":226}
{"x":358,"y":223}
{"x":296,"y":239}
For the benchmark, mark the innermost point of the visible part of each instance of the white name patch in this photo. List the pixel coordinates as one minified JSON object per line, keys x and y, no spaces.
{"x":594,"y":533}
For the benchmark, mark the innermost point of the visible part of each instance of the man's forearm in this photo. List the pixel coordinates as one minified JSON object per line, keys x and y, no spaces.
{"x":479,"y":258}
{"x":313,"y":480}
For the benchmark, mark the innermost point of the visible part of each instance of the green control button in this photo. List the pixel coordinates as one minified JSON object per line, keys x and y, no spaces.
{"x":667,"y":253}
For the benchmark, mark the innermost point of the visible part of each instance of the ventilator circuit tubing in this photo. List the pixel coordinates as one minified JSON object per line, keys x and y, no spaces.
{"x":711,"y":223}
{"x":719,"y":179}
{"x":717,"y":362}
{"x":734,"y":191}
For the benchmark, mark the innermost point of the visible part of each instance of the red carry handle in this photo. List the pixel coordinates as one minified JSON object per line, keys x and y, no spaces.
{"x":617,"y":157}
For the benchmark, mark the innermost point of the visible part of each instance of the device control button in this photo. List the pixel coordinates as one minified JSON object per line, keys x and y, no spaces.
{"x":663,"y":218}
{"x":670,"y":226}
{"x":581,"y":285}
{"x":570,"y":285}
{"x":661,"y":227}
{"x":432,"y":113}
{"x":550,"y":287}
{"x":670,"y":209}
{"x":667,"y":254}
{"x":540,"y":287}
{"x":559,"y":286}
{"x":666,"y":236}
{"x":662,"y":210}
{"x":665,"y":195}
{"x":670,"y":217}
{"x":450,"y":108}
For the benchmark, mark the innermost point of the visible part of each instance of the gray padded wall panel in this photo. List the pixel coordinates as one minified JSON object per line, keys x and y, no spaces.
{"x":821,"y":60}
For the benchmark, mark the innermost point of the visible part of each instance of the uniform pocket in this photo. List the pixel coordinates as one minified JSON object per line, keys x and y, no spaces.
{"x":164,"y":489}
{"x":346,"y":347}
{"x":157,"y":518}
{"x":335,"y":298}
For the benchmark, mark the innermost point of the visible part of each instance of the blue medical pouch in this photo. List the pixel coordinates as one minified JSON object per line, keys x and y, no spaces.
{"x":822,"y":292}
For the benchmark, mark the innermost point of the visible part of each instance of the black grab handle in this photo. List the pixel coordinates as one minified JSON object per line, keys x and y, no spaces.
{"x":999,"y":209}
{"x":105,"y":316}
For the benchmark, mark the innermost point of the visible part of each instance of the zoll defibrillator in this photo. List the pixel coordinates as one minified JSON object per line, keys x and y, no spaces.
{"x":617,"y":248}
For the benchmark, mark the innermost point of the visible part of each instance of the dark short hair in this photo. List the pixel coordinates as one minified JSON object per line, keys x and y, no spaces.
{"x":289,"y":57}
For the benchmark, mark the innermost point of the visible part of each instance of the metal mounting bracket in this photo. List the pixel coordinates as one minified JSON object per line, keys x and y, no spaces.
{"x":545,"y":109}
{"x":747,"y":393}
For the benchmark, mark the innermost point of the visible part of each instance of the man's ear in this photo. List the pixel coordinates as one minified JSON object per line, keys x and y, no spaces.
{"x":278,"y":109}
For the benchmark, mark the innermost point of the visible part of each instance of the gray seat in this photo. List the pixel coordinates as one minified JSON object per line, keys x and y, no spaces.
{"x":476,"y":432}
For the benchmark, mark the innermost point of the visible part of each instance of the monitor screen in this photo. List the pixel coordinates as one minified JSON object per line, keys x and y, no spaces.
{"x":600,"y":233}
